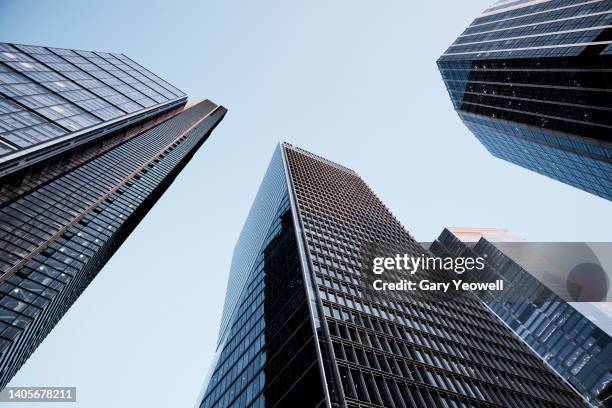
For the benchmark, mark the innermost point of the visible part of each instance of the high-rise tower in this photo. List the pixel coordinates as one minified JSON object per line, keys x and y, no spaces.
{"x":576,"y":348}
{"x":300,"y":327}
{"x":532,"y":81}
{"x":89,"y":141}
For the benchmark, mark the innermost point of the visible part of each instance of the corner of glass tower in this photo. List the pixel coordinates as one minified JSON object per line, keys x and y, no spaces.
{"x":528,"y":79}
{"x":89,"y":141}
{"x":300,"y":326}
{"x":267,"y":346}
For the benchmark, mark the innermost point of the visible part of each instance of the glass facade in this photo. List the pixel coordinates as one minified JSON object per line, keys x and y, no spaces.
{"x":267,"y":353}
{"x":49,"y":96}
{"x":361,"y":348}
{"x":61,"y":219}
{"x":569,"y":342}
{"x":531,"y":80}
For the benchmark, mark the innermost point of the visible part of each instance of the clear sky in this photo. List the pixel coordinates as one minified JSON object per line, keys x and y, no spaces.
{"x":354,"y":81}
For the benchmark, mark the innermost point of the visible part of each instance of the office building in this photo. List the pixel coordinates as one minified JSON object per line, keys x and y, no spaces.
{"x":576,"y":348}
{"x":301,"y":325}
{"x":531,"y":80}
{"x":89,"y":141}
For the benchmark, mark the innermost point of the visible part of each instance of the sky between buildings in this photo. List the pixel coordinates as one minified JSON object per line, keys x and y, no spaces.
{"x":354,"y":81}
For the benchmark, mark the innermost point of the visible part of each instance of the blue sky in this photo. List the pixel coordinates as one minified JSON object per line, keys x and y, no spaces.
{"x":354,"y":81}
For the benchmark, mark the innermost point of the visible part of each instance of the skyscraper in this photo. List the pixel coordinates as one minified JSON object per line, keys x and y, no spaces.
{"x":531,"y":80}
{"x":89,"y":141}
{"x":568,"y":341}
{"x":300,"y":327}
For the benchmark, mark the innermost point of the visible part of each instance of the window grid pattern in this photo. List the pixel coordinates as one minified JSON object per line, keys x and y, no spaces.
{"x":552,"y":95}
{"x":252,"y":237}
{"x":569,"y":342}
{"x":404,"y":350}
{"x":49,"y":92}
{"x":40,"y":174}
{"x":267,"y":358}
{"x":108,"y":195}
{"x":32,"y":219}
{"x":530,"y":31}
{"x":583,"y":171}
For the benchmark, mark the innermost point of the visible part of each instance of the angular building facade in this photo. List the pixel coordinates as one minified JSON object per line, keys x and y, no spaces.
{"x":531,"y":79}
{"x":301,"y":328}
{"x":578,"y":350}
{"x":88,"y":143}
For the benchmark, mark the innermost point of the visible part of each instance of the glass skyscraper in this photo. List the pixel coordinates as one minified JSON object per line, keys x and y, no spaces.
{"x":532,"y":81}
{"x":568,"y":341}
{"x":300,"y":327}
{"x":89,"y":141}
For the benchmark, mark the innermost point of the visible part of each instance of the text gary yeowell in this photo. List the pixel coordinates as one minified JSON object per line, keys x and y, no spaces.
{"x":458,"y":284}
